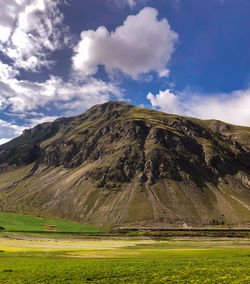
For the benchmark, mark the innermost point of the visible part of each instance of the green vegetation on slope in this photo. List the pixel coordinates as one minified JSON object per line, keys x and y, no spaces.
{"x":120,"y":165}
{"x":17,"y":222}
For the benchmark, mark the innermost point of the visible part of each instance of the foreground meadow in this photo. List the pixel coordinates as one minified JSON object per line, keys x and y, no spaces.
{"x":38,"y":260}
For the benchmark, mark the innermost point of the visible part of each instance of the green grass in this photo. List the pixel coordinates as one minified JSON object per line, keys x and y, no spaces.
{"x":14,"y":174}
{"x":150,"y":264}
{"x":17,"y":222}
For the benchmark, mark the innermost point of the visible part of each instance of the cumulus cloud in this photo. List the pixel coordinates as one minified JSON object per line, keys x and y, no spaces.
{"x":27,"y":102}
{"x":30,"y":29}
{"x":20,"y":96}
{"x":9,"y":130}
{"x":232,"y":108}
{"x":6,"y":71}
{"x":22,"y":99}
{"x":142,"y":44}
{"x":166,"y":100}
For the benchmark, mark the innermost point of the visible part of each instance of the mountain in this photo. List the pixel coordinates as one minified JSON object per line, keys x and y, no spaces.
{"x":121,"y":165}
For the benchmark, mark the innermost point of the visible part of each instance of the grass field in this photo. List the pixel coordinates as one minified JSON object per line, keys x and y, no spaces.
{"x":12,"y":222}
{"x":123,"y":261}
{"x":34,"y":255}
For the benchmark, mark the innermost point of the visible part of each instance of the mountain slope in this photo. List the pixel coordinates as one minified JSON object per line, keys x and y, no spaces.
{"x":118,"y":164}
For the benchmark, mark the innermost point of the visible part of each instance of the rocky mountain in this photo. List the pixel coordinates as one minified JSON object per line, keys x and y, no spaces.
{"x":121,"y":165}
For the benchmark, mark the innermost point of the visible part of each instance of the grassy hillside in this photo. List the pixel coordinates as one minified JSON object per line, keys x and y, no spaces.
{"x":121,"y":165}
{"x":24,"y":223}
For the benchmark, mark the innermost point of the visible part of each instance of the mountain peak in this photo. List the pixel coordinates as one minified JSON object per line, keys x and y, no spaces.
{"x":123,"y":164}
{"x":110,"y":106}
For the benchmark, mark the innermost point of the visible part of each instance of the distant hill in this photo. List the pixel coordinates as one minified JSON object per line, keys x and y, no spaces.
{"x":121,"y":165}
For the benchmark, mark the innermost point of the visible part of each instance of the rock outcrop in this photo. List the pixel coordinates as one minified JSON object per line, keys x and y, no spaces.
{"x":118,"y":164}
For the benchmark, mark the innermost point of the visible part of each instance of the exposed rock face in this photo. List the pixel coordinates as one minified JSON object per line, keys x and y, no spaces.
{"x":118,"y":164}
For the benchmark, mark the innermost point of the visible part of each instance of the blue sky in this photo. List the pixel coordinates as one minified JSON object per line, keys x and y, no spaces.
{"x":58,"y":58}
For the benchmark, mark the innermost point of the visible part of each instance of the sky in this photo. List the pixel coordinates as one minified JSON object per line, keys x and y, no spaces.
{"x":60,"y":57}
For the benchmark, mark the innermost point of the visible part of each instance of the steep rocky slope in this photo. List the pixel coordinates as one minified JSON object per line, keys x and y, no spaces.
{"x":119,"y":165}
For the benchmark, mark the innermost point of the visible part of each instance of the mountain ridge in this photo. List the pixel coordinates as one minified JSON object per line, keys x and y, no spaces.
{"x":120,"y":164}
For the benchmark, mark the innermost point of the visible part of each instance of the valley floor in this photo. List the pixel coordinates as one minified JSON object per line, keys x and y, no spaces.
{"x":25,"y":259}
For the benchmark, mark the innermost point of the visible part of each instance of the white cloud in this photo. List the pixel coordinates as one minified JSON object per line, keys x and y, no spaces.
{"x":124,"y":3}
{"x":131,"y":3}
{"x":23,"y":96}
{"x":4,"y":140}
{"x":166,"y":100}
{"x":30,"y":29}
{"x":232,"y":108}
{"x":40,"y":118}
{"x":7,"y":71}
{"x":142,"y":44}
{"x":9,"y":130}
{"x":27,"y":101}
{"x":164,"y":73}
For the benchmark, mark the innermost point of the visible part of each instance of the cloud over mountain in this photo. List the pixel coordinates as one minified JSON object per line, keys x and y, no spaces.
{"x":232,"y":108}
{"x":142,"y":44}
{"x":29,"y":32}
{"x":23,"y":96}
{"x":9,"y":130}
{"x":25,"y":99}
